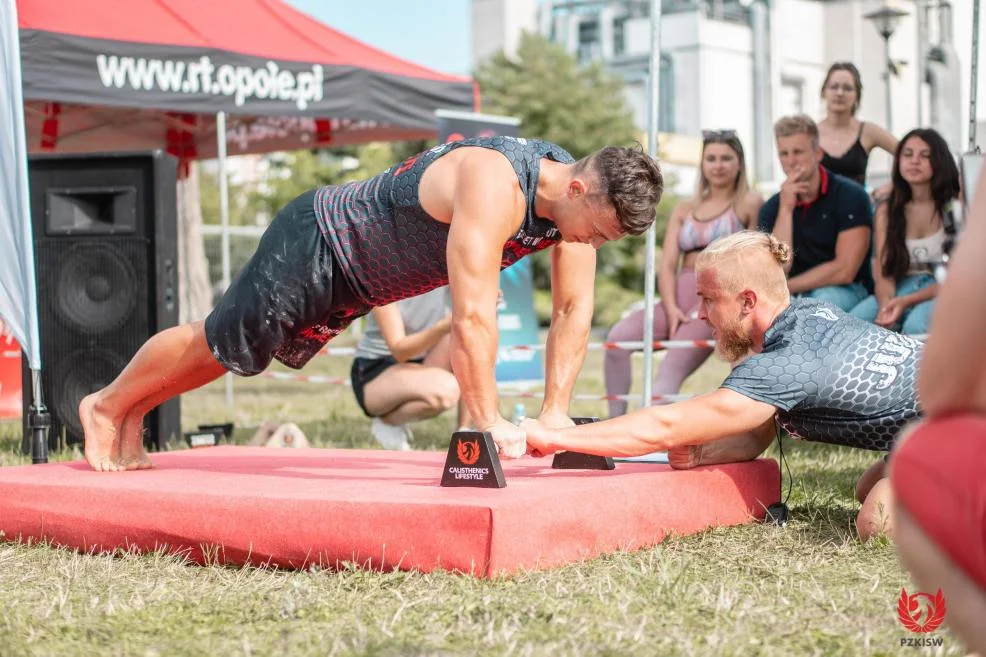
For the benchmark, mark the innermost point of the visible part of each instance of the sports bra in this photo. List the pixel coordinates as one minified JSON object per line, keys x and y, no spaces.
{"x":697,"y":234}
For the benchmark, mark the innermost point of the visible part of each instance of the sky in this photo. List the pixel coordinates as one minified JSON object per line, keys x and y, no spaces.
{"x":432,"y":33}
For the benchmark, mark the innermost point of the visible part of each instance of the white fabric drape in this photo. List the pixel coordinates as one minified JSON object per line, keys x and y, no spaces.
{"x":18,"y":296}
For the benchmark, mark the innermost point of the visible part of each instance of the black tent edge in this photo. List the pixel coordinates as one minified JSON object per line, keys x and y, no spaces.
{"x":67,"y":68}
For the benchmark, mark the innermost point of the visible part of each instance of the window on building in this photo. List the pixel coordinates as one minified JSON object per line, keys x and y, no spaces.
{"x":619,"y":35}
{"x":791,"y":98}
{"x":589,"y":47}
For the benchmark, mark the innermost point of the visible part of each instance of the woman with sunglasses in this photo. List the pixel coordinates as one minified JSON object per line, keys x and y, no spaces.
{"x":846,"y":140}
{"x":723,"y":204}
{"x":910,"y":234}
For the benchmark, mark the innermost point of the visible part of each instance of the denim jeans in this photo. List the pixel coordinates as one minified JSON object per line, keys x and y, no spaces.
{"x":914,"y":320}
{"x":844,"y":296}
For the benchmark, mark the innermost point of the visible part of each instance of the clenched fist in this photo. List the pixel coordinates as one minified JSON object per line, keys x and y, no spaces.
{"x":511,"y":440}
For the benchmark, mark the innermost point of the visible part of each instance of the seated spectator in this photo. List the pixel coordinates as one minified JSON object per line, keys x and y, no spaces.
{"x":723,"y":204}
{"x":936,"y":471}
{"x":826,"y":218}
{"x":910,"y":232}
{"x":402,"y":371}
{"x":841,"y":132}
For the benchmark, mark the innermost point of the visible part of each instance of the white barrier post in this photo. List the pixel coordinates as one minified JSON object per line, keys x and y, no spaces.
{"x":652,"y":147}
{"x":224,"y":222}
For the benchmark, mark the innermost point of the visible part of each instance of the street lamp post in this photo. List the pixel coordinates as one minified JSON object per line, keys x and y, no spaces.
{"x":885,"y":19}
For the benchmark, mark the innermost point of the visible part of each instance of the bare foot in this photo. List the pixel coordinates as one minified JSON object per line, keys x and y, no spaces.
{"x":102,"y":437}
{"x":132,"y":453}
{"x":868,"y":479}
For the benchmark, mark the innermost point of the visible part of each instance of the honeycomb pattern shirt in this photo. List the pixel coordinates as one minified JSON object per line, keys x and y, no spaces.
{"x":833,"y":378}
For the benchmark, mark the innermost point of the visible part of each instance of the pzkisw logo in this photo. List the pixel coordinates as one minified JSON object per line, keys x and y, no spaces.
{"x":921,"y":613}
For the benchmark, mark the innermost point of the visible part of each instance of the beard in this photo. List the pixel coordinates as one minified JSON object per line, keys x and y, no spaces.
{"x":732,"y":341}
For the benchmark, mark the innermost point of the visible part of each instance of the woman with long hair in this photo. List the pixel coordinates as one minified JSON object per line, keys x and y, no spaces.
{"x":910,"y":233}
{"x":847,"y":141}
{"x":723,"y":204}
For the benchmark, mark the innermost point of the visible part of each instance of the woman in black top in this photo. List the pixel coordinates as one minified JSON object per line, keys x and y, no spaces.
{"x":846,"y":140}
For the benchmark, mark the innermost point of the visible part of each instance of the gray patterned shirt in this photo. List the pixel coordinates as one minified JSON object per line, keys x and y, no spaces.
{"x":833,"y":378}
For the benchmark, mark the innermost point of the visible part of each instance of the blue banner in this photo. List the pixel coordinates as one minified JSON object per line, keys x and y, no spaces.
{"x":518,"y":325}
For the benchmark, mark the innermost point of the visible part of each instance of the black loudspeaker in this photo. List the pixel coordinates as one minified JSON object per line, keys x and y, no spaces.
{"x":106,"y":262}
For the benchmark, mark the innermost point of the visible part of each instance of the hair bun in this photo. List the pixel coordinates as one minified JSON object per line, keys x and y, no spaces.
{"x":780,"y":250}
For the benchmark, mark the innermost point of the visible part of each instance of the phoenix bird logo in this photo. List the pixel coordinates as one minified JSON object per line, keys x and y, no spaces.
{"x":467,"y":451}
{"x":920,"y":612}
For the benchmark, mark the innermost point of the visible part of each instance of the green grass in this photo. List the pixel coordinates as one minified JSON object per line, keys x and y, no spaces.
{"x":808,"y":589}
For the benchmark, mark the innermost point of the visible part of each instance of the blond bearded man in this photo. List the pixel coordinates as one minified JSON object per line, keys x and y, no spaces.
{"x":799,"y":364}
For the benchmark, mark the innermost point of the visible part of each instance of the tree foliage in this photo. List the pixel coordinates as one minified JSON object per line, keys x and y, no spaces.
{"x":292,"y":174}
{"x":581,"y":109}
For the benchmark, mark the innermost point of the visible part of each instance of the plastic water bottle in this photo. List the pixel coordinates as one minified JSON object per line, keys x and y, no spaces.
{"x":519,"y":413}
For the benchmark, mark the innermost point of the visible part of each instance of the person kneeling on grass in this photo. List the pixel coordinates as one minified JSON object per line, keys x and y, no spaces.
{"x":803,"y":364}
{"x":937,"y":469}
{"x":402,"y":371}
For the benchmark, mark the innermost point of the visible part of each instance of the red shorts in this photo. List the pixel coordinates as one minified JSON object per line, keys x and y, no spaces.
{"x":939,"y":477}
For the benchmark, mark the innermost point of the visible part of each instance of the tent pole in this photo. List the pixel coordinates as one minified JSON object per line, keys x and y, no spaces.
{"x":652,"y":147}
{"x":224,"y":221}
{"x":921,"y":14}
{"x":975,"y":77}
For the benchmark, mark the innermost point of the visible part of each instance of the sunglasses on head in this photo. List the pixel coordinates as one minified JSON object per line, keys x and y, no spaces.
{"x":718,"y":135}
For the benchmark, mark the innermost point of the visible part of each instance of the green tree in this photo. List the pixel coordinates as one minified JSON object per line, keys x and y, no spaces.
{"x":209,"y":199}
{"x":581,"y":109}
{"x":301,"y":171}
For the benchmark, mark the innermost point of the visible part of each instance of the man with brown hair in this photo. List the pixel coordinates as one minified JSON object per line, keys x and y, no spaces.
{"x":456,"y":214}
{"x":825,"y":218}
{"x":799,"y":364}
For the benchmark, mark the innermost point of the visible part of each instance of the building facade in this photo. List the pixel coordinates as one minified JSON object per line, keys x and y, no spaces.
{"x":741,"y":64}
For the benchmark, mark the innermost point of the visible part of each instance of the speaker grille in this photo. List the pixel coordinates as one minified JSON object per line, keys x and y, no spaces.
{"x":95,"y":305}
{"x":94,"y":288}
{"x":81,"y":373}
{"x":105,"y":245}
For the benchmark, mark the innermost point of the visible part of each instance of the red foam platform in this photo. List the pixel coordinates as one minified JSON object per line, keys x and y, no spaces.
{"x":300,"y":507}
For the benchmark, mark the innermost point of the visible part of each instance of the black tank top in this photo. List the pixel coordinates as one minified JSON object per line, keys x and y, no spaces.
{"x":389,"y":248}
{"x":853,"y":163}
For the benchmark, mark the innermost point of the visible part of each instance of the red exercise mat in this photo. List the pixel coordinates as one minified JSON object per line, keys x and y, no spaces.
{"x":380,"y":509}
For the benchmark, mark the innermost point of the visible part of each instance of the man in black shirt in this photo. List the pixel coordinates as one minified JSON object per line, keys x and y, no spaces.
{"x":826,"y":218}
{"x":802,"y":364}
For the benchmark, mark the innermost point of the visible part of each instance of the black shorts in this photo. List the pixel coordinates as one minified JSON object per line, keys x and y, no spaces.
{"x":365,"y":370}
{"x":287,"y":302}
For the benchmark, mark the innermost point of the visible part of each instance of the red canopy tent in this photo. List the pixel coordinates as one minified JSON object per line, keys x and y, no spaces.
{"x":139,"y":74}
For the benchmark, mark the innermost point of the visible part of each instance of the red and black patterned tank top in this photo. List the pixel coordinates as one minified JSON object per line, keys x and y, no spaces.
{"x":389,"y":248}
